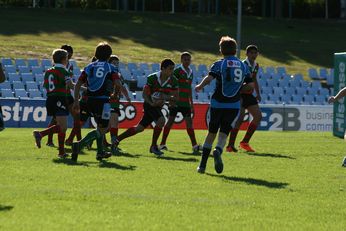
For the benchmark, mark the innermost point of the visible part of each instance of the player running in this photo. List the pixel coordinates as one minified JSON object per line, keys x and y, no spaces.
{"x":57,"y":82}
{"x":100,"y":78}
{"x":231,"y":76}
{"x":184,"y":75}
{"x":250,"y":103}
{"x":160,"y":87}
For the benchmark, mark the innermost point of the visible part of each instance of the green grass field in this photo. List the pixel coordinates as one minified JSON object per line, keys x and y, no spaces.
{"x":150,"y":37}
{"x":294,"y":182}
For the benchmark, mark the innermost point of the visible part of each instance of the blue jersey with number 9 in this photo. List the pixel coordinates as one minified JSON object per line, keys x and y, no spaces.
{"x":230,"y":74}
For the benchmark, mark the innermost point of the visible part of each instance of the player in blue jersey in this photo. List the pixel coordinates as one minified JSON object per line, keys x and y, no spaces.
{"x":232,"y":76}
{"x":101,"y":78}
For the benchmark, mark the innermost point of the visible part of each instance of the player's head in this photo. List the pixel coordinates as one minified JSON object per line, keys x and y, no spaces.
{"x":69,"y":50}
{"x":228,"y":46}
{"x":252,"y":52}
{"x":103,"y":51}
{"x":167,"y":67}
{"x":93,"y":59}
{"x":114,"y":59}
{"x":60,"y":56}
{"x":185,"y":59}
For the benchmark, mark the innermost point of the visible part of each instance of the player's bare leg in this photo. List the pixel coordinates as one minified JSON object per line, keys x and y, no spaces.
{"x":234,"y":131}
{"x":156,"y":134}
{"x":165,"y":133}
{"x":191,"y":132}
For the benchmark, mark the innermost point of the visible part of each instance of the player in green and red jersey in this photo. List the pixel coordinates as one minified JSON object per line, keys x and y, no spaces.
{"x":115,"y":104}
{"x":160,"y":87}
{"x":249,"y":102}
{"x":184,"y":104}
{"x":57,"y":82}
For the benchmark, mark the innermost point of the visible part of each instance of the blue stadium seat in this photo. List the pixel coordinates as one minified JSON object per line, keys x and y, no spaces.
{"x":132,"y":66}
{"x":316,"y":84}
{"x":323,"y":73}
{"x":193,"y":68}
{"x":203,"y":68}
{"x":284,"y":82}
{"x":31,"y":86}
{"x":33,"y":63}
{"x":262,"y":82}
{"x":122,"y":65}
{"x":13,"y":77}
{"x":304,"y":84}
{"x":289,"y":90}
{"x":297,"y":99}
{"x":6,"y":61}
{"x":324,"y":92}
{"x":274,"y":98}
{"x":298,"y":77}
{"x":308,"y":99}
{"x":18,"y":85}
{"x":126,"y":74}
{"x":37,"y":70}
{"x":20,"y":93}
{"x":313,"y":73}
{"x":139,"y":95}
{"x":294,"y":83}
{"x":155,"y":67}
{"x":39,"y":78}
{"x":20,"y":62}
{"x":300,"y":91}
{"x":312,"y":91}
{"x":5,"y":85}
{"x":10,"y":69}
{"x":330,"y":80}
{"x":281,"y":71}
{"x":27,"y":77}
{"x":23,"y":69}
{"x":144,"y":66}
{"x":278,"y":91}
{"x":321,"y":99}
{"x":46,"y":63}
{"x":74,"y":64}
{"x":35,"y":94}
{"x":286,"y":99}
{"x":7,"y":93}
{"x":202,"y":97}
{"x":77,"y":72}
{"x":44,"y":94}
{"x":267,"y":90}
{"x":270,"y":70}
{"x":141,"y":81}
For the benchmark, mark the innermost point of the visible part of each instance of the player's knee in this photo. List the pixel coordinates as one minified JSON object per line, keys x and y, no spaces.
{"x":160,"y":122}
{"x":139,"y":128}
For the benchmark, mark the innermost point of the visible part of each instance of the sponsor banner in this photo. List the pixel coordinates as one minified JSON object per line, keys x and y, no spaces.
{"x":32,"y":113}
{"x":339,"y":83}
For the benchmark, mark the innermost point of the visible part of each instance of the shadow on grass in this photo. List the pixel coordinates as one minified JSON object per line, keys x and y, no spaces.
{"x":70,"y":162}
{"x":190,"y":153}
{"x":270,"y":155}
{"x":105,"y":164}
{"x":252,"y":181}
{"x":178,"y":159}
{"x":126,"y":154}
{"x":5,"y":208}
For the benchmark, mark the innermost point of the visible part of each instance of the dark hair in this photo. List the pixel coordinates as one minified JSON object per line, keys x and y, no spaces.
{"x":166,"y":63}
{"x":251,"y":48}
{"x":228,"y":46}
{"x":67,"y":48}
{"x":185,"y":53}
{"x":93,"y":59}
{"x":59,"y":55}
{"x":103,"y":51}
{"x":113,"y":58}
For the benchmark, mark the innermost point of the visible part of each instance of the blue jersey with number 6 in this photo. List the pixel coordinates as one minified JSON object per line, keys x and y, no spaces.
{"x":100,"y":77}
{"x":230,"y":74}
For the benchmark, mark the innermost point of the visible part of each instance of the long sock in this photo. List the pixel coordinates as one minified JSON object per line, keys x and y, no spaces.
{"x":165,"y":134}
{"x":205,"y":155}
{"x":90,"y":137}
{"x":221,"y":141}
{"x":99,"y":142}
{"x":233,"y":136}
{"x":129,"y":132}
{"x":72,"y":135}
{"x":51,"y":130}
{"x":156,"y":135}
{"x":77,"y":127}
{"x":191,"y":133}
{"x":114,"y":133}
{"x":250,"y":131}
{"x":50,"y":135}
{"x":61,"y":139}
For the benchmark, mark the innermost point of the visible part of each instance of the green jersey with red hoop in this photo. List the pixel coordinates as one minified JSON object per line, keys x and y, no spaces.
{"x":184,"y":78}
{"x":56,"y":79}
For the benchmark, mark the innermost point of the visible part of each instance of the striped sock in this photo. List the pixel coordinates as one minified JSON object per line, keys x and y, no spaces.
{"x":250,"y":131}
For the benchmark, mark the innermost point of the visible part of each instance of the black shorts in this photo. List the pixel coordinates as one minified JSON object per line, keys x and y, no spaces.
{"x":84,"y":113}
{"x":57,"y":106}
{"x":150,"y":114}
{"x":100,"y":109}
{"x":222,"y":119}
{"x":248,"y":100}
{"x":185,"y":111}
{"x":70,"y":101}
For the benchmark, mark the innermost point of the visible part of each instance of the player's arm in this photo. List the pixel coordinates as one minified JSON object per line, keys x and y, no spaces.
{"x":147,"y":95}
{"x":124,"y":91}
{"x":2,"y":74}
{"x":257,"y":89}
{"x":248,"y":84}
{"x":341,"y":94}
{"x":81,"y":81}
{"x":206,"y":80}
